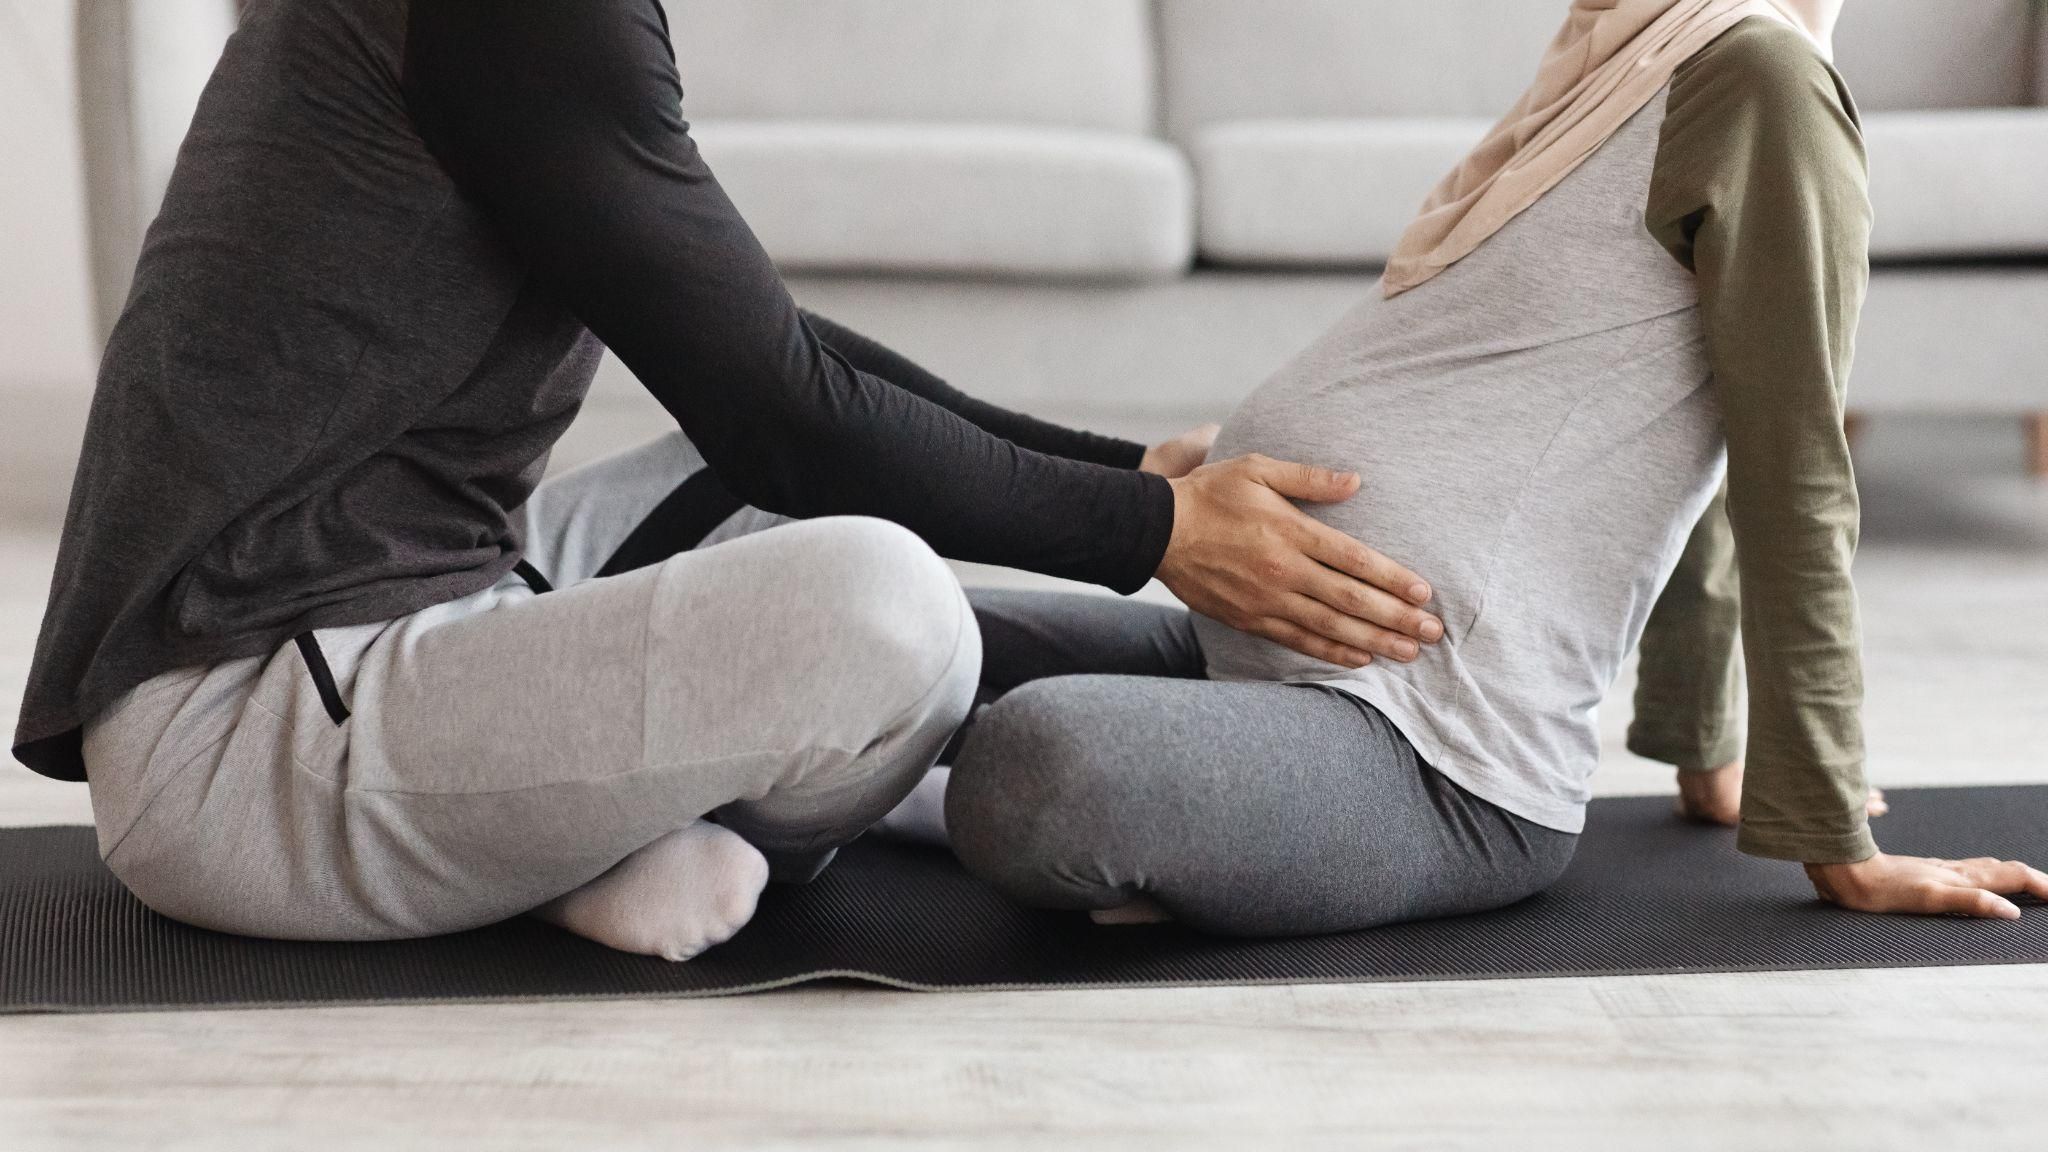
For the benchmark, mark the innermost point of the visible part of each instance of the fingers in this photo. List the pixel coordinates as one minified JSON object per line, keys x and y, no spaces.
{"x":1347,"y":630}
{"x":2005,"y":876}
{"x":1303,"y":481}
{"x":1336,"y":550}
{"x":1357,"y":601}
{"x":2037,"y":882}
{"x":1954,"y":900}
{"x":1312,"y":644}
{"x":1876,"y":805}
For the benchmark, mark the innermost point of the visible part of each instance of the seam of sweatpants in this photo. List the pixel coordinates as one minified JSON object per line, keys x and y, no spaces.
{"x":178,"y":773}
{"x":170,"y":778}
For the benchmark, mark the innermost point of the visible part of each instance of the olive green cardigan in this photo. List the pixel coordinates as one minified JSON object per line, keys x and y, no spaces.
{"x":1760,"y":189}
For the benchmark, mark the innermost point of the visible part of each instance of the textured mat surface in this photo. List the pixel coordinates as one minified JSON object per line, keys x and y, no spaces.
{"x":1645,"y":894}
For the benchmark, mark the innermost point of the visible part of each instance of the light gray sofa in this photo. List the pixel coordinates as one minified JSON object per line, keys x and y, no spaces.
{"x":1129,"y":212}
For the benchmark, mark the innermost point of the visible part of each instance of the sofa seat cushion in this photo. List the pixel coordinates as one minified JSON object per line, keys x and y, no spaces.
{"x":1320,"y":192}
{"x":957,"y":199}
{"x":1958,"y":184}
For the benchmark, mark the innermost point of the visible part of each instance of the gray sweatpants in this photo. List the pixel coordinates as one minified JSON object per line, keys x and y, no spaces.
{"x":796,"y":679}
{"x":1242,"y":808}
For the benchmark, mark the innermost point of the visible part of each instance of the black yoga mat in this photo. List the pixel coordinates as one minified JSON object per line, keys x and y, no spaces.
{"x":1645,"y":894}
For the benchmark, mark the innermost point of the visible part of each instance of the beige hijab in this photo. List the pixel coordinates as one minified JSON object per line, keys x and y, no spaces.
{"x":1612,"y":57}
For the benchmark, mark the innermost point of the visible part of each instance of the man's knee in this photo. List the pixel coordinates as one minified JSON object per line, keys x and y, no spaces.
{"x":894,"y":613}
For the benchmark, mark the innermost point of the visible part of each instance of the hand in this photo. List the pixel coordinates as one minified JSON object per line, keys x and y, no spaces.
{"x":1715,"y":796}
{"x":1242,"y":555}
{"x":1182,"y":454}
{"x":1930,"y":887}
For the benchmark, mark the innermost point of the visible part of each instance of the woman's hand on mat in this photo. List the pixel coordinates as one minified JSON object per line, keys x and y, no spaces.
{"x":1181,"y":455}
{"x":1914,"y":884}
{"x":1243,"y":555}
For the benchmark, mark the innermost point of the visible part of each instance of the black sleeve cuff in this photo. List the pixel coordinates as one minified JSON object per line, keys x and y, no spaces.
{"x":1151,"y":530}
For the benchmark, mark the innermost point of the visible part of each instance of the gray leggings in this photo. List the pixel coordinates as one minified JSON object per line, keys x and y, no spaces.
{"x":1244,"y":809}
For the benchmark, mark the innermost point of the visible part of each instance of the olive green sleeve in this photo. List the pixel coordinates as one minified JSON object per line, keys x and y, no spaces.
{"x":1686,"y":680}
{"x":1760,"y":189}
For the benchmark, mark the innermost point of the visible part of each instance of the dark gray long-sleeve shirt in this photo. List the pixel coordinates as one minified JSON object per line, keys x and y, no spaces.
{"x":397,"y":233}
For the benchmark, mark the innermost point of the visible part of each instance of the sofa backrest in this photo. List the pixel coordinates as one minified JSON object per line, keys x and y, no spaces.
{"x":1256,"y":59}
{"x":1923,"y":54}
{"x":1075,"y":63}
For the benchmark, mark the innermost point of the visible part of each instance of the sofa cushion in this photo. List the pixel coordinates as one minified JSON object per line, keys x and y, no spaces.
{"x":1959,"y":183}
{"x":1320,"y":192}
{"x":957,"y":199}
{"x":1254,"y":59}
{"x":1227,"y":60}
{"x":1918,"y":54}
{"x":1080,"y":63}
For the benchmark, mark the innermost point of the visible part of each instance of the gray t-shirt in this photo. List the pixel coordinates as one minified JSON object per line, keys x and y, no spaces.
{"x":1537,"y":435}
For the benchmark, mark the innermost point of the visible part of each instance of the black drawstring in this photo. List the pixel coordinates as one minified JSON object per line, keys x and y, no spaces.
{"x":323,"y":676}
{"x":533,"y":578}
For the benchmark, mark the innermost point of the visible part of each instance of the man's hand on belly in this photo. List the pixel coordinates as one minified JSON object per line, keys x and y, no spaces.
{"x":1243,"y":555}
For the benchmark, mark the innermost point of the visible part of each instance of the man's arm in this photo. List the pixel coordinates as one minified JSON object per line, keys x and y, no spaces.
{"x":563,"y":122}
{"x":876,"y":359}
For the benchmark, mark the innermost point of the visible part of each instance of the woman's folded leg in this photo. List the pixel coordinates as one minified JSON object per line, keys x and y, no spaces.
{"x":1030,"y":635}
{"x":1244,"y":809}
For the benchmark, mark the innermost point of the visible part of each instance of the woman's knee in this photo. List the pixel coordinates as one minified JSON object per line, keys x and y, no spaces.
{"x":1034,"y":801}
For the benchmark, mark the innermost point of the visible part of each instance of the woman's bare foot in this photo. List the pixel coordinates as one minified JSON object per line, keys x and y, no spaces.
{"x":1715,"y":796}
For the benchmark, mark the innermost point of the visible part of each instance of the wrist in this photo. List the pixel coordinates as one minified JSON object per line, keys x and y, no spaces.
{"x":1180,"y":523}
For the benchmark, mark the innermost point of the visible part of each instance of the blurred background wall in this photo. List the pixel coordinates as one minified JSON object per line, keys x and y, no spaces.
{"x":46,"y":326}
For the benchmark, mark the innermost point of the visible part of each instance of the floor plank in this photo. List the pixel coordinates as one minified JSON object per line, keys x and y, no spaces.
{"x":1890,"y":1059}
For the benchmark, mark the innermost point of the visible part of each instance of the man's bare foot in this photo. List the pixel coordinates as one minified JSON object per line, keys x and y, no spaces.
{"x":1715,"y":796}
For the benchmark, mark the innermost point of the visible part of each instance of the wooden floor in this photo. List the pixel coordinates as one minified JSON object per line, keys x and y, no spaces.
{"x":1954,"y":580}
